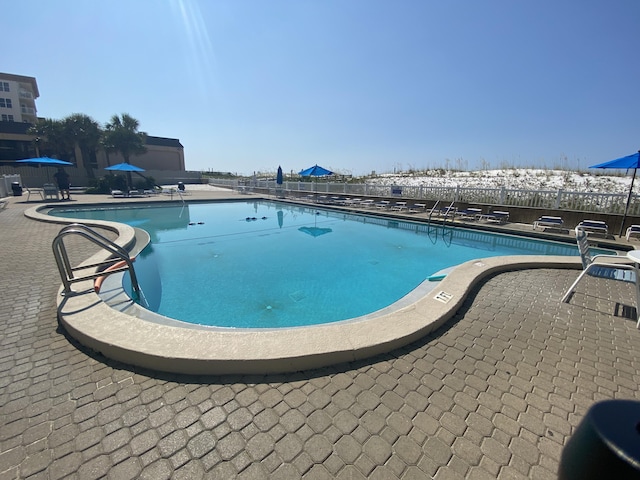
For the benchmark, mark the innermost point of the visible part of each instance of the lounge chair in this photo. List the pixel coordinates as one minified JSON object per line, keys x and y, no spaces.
{"x":469,"y":213}
{"x":633,"y":231}
{"x":418,"y":208}
{"x":594,"y":226}
{"x":614,"y":267}
{"x":496,"y":216}
{"x":546,"y":221}
{"x":449,"y":211}
{"x":399,"y":206}
{"x":49,"y":190}
{"x":33,"y":191}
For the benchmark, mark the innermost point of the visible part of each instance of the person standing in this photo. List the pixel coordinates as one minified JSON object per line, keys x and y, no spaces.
{"x":62,"y":179}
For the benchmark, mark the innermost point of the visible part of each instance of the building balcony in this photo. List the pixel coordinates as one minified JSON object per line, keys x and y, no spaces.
{"x":27,"y":110}
{"x":26,"y":94}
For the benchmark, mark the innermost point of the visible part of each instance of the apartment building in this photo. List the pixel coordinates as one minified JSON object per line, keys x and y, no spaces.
{"x":18,"y":95}
{"x":18,"y":112}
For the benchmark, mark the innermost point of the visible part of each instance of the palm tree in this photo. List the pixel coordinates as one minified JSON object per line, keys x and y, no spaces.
{"x":121,"y":135}
{"x":86,"y":134}
{"x":52,"y":139}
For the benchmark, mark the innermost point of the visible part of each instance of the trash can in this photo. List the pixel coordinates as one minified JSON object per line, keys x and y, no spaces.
{"x":606,"y":443}
{"x":16,"y":189}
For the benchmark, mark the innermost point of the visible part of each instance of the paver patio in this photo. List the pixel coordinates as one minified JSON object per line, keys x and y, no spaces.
{"x":496,"y":393}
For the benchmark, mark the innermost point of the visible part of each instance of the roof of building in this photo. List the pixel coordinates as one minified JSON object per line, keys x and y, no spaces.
{"x":164,"y":142}
{"x":23,"y":79}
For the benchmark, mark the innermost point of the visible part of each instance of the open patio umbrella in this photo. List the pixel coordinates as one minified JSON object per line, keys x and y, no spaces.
{"x":624,"y":163}
{"x":128,"y":168}
{"x":315,"y":171}
{"x":124,"y":167}
{"x":44,"y":162}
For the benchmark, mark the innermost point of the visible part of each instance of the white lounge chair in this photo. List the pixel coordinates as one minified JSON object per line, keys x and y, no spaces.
{"x":594,"y":226}
{"x":614,"y":267}
{"x":633,"y":231}
{"x":546,"y":221}
{"x":496,"y":216}
{"x":34,"y":191}
{"x":50,"y":191}
{"x":417,"y":208}
{"x":469,"y":213}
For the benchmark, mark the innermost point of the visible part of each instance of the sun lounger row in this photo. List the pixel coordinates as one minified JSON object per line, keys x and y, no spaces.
{"x":587,"y":226}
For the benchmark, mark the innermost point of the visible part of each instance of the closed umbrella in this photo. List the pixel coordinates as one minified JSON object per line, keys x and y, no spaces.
{"x":624,"y":163}
{"x":279,"y":182}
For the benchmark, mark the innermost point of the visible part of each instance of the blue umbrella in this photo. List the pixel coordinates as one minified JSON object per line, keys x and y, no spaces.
{"x":624,"y":163}
{"x":43,"y":161}
{"x":125,"y":167}
{"x":315,"y":171}
{"x":315,"y":231}
{"x":279,"y":179}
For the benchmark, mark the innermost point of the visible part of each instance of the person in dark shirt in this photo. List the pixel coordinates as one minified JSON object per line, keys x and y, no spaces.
{"x":62,"y":179}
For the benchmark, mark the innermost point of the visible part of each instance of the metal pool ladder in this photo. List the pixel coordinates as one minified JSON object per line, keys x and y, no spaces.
{"x":68,"y":272}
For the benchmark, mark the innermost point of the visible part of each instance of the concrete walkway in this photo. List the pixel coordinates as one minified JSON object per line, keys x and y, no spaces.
{"x":496,"y":393}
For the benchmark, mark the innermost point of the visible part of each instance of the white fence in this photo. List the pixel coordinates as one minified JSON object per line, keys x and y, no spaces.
{"x":549,"y":199}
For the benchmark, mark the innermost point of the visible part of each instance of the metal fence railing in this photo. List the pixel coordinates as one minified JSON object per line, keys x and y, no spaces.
{"x":551,"y":199}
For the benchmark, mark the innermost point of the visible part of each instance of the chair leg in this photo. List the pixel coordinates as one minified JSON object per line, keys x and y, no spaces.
{"x":565,"y":299}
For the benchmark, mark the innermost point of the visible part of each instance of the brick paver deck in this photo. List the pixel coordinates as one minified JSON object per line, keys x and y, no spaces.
{"x":496,"y":393}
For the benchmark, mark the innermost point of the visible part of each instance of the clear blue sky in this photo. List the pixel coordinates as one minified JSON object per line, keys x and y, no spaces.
{"x":353,"y":85}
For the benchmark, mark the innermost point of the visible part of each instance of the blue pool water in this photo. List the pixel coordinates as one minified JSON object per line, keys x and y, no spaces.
{"x":264,"y":264}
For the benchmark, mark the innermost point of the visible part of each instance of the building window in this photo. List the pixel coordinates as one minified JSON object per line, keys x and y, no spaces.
{"x":7,"y":118}
{"x":5,"y":103}
{"x":4,"y":86}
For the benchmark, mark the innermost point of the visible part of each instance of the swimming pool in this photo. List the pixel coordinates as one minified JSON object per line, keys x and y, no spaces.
{"x":263,"y":264}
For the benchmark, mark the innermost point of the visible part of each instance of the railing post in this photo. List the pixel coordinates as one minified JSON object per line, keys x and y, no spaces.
{"x":559,"y":199}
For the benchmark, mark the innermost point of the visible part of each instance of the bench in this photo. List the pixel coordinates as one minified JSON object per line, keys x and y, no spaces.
{"x":547,"y":221}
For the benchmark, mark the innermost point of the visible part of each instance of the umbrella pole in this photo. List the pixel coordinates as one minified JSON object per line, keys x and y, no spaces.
{"x":626,"y":207}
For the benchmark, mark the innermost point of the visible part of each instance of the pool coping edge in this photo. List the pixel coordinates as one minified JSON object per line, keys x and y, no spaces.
{"x":133,"y":341}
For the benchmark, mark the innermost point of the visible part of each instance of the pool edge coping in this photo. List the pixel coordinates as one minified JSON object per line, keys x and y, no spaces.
{"x":137,"y":342}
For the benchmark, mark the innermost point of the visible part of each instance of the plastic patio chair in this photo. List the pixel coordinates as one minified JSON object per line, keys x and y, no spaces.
{"x":612,"y":268}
